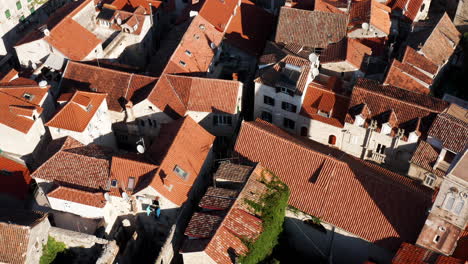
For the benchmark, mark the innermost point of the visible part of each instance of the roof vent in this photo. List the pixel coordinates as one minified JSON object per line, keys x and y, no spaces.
{"x":46,"y":32}
{"x":43,"y":84}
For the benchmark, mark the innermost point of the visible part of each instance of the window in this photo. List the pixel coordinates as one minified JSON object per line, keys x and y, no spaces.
{"x":332,"y":140}
{"x":7,"y":13}
{"x":268,"y":100}
{"x":28,"y":96}
{"x":131,"y":184}
{"x":149,"y":122}
{"x":222,"y":120}
{"x":449,"y":201}
{"x":188,"y":52}
{"x":288,"y":107}
{"x":142,"y":123}
{"x":304,"y":131}
{"x":182,"y":63}
{"x":18,"y":5}
{"x":183,"y":174}
{"x":114,"y":183}
{"x":288,"y":123}
{"x":267,"y":116}
{"x":429,"y":180}
{"x":21,"y":18}
{"x":380,"y":149}
{"x":436,"y":239}
{"x":458,"y":206}
{"x":449,"y":156}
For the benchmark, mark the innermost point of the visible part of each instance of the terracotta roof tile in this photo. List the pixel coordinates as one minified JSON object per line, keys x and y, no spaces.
{"x":95,"y":199}
{"x":14,"y":177}
{"x":175,"y":95}
{"x":413,"y":254}
{"x":215,"y":203}
{"x":425,"y":156}
{"x":325,"y":99}
{"x":175,"y":147}
{"x":15,"y":231}
{"x":314,"y":29}
{"x":250,"y":28}
{"x":218,"y":13}
{"x":451,"y":131}
{"x":331,"y":6}
{"x":408,"y":105}
{"x":74,"y":116}
{"x":84,"y":166}
{"x":221,"y":192}
{"x":132,"y":5}
{"x":346,"y":50}
{"x":119,"y":86}
{"x":232,"y":172}
{"x":367,"y":200}
{"x":202,"y":225}
{"x":408,"y":77}
{"x":371,"y":12}
{"x":418,"y":60}
{"x":411,"y":7}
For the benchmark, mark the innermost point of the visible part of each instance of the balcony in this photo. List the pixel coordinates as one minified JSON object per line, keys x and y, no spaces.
{"x":377,"y":157}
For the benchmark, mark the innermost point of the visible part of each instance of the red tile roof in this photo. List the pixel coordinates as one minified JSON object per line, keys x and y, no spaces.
{"x":326,"y":98}
{"x":412,"y":254}
{"x":15,"y":234}
{"x":368,"y":201}
{"x":218,"y":13}
{"x":16,"y":111}
{"x":314,"y":29}
{"x":331,"y":6}
{"x":250,"y":28}
{"x":175,"y":147}
{"x":411,"y":7}
{"x":175,"y":95}
{"x":202,"y":225}
{"x":408,"y":77}
{"x":83,"y":166}
{"x":461,"y":251}
{"x":371,"y":12}
{"x":425,"y":156}
{"x":95,"y":199}
{"x":74,"y":116}
{"x":232,"y":172}
{"x":412,"y":57}
{"x":346,"y":50}
{"x":117,"y":85}
{"x":14,"y":177}
{"x":407,"y":105}
{"x":451,"y":131}
{"x":132,"y":5}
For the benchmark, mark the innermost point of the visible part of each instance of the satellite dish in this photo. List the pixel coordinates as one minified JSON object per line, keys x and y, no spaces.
{"x":193,"y":13}
{"x":313,"y":57}
{"x":365,"y":26}
{"x":315,"y":72}
{"x":125,"y":195}
{"x":140,"y":149}
{"x":119,"y":20}
{"x":212,"y":45}
{"x":106,"y":196}
{"x":43,"y":84}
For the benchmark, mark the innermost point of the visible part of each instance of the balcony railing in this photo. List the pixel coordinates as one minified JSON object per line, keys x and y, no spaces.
{"x":377,"y":157}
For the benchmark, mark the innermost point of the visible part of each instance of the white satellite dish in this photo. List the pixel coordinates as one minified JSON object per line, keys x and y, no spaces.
{"x":106,"y":196}
{"x":212,"y":45}
{"x":43,"y":84}
{"x":365,"y":26}
{"x":313,"y":57}
{"x":140,"y":149}
{"x":315,"y":72}
{"x":125,"y":195}
{"x":193,"y":13}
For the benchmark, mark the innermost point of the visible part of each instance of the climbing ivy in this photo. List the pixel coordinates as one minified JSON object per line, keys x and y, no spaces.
{"x":271,"y":209}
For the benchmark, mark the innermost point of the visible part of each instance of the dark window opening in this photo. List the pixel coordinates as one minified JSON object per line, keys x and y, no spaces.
{"x":304,"y":131}
{"x":268,"y":100}
{"x":267,"y":116}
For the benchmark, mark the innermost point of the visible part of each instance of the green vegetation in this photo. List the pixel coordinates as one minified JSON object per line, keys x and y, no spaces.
{"x":51,"y":249}
{"x":271,"y":209}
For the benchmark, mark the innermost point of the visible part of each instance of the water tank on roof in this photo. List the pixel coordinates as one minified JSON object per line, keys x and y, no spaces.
{"x":365,"y":26}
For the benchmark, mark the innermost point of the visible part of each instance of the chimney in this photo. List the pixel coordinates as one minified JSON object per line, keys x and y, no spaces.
{"x":235,"y":76}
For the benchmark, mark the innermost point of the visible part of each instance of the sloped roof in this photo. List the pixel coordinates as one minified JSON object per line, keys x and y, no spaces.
{"x":314,"y":29}
{"x":15,"y":110}
{"x":250,"y":28}
{"x":425,"y":156}
{"x":348,"y":50}
{"x":408,"y":106}
{"x":418,"y":60}
{"x":438,"y":43}
{"x":413,"y":254}
{"x":451,"y":131}
{"x":218,"y":13}
{"x":94,"y":199}
{"x":83,"y":166}
{"x":14,"y":177}
{"x":232,"y":172}
{"x":368,"y":201}
{"x":326,"y":97}
{"x":132,"y":5}
{"x":411,"y":7}
{"x":15,"y":226}
{"x":175,"y":95}
{"x":175,"y":146}
{"x":405,"y":76}
{"x":119,"y":86}
{"x":371,"y":12}
{"x":74,"y":115}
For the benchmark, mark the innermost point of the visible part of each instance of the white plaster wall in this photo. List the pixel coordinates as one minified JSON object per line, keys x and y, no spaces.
{"x":32,"y":52}
{"x":319,"y":131}
{"x":76,"y":208}
{"x":16,"y":142}
{"x":437,"y":209}
{"x":423,"y":11}
{"x":373,"y":32}
{"x":197,"y":258}
{"x":115,"y":207}
{"x":164,"y":203}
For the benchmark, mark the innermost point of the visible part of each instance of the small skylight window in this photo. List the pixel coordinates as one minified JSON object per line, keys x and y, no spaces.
{"x":202,"y":26}
{"x":188,"y":52}
{"x":114,"y":183}
{"x":183,"y":174}
{"x":28,"y":96}
{"x":182,"y":63}
{"x":89,"y":107}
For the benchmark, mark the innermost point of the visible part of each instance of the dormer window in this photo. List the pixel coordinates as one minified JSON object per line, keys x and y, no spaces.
{"x":28,"y":96}
{"x":182,"y":63}
{"x":114,"y":183}
{"x":131,"y":184}
{"x":429,"y":180}
{"x":359,"y":120}
{"x":179,"y":171}
{"x":386,"y":129}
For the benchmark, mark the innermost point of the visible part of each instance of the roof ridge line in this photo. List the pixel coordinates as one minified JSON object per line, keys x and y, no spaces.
{"x":178,"y":96}
{"x":128,"y":85}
